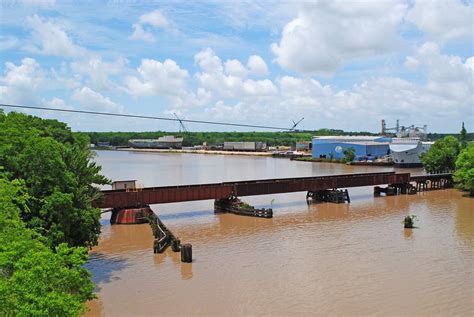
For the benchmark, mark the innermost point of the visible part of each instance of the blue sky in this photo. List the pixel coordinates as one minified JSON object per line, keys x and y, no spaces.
{"x":339,"y":64}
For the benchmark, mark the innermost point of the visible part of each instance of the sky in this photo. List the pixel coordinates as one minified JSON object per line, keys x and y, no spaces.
{"x":340,"y":64}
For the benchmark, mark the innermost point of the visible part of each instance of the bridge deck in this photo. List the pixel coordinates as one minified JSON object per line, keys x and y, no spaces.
{"x":170,"y":194}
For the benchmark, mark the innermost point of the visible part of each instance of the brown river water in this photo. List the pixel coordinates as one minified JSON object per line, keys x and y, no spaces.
{"x":318,"y":259}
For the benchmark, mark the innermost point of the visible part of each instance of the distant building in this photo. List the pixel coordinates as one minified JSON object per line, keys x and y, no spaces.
{"x":303,"y":146}
{"x":366,"y":147}
{"x":245,"y":146}
{"x":130,"y":184}
{"x":103,"y":143}
{"x":164,"y":142}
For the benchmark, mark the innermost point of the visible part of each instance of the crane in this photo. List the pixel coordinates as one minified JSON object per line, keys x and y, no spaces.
{"x":181,"y":124}
{"x":295,"y":124}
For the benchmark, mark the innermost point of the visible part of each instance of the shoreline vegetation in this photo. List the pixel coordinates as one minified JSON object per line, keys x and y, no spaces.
{"x":213,"y":138}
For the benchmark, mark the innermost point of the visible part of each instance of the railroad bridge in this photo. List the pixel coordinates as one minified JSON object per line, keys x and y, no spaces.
{"x":130,"y":198}
{"x":132,"y":205}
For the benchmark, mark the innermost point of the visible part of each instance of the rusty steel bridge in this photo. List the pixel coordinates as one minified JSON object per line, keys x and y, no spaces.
{"x":170,"y":194}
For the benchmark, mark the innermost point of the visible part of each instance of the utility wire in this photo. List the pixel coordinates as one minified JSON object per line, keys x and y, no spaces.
{"x":152,"y":117}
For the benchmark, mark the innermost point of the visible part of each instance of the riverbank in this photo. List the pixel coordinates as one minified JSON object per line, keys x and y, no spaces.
{"x":194,"y":151}
{"x":354,"y":163}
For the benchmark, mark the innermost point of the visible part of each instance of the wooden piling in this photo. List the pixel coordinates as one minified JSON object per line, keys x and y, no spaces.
{"x":186,"y":253}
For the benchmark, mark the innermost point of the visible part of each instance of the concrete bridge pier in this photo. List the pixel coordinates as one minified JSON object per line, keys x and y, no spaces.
{"x":131,"y":215}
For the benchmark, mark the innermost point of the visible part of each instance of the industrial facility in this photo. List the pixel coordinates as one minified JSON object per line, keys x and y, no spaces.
{"x":366,"y":147}
{"x":245,"y":146}
{"x":164,"y":142}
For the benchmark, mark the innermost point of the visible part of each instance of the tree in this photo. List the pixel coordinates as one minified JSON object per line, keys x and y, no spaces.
{"x":441,"y":157}
{"x":59,"y":175}
{"x":463,"y":137}
{"x":34,"y":280}
{"x":464,"y":174}
{"x":349,"y":154}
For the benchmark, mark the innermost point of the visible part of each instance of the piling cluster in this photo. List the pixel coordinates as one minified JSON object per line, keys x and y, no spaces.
{"x":235,"y":206}
{"x":329,"y":195}
{"x":165,"y":238}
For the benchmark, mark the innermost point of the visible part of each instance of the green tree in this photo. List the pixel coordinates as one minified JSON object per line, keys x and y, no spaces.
{"x":349,"y":154}
{"x":441,"y":157}
{"x":59,"y":174}
{"x":464,"y":174}
{"x":34,"y":280}
{"x":463,"y":137}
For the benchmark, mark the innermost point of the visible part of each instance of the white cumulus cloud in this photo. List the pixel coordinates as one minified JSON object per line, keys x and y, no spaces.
{"x":143,"y":29}
{"x":157,"y":78}
{"x":443,"y":19}
{"x":257,"y":66}
{"x":90,"y":99}
{"x":21,"y":83}
{"x":231,"y":83}
{"x":326,"y":34}
{"x":98,"y":71}
{"x":155,"y":18}
{"x":50,"y":39}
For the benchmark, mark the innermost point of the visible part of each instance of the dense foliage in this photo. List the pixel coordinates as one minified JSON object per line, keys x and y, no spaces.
{"x":441,"y":157}
{"x":58,"y":172}
{"x":34,"y":280}
{"x":464,"y":175}
{"x":46,"y":218}
{"x":215,"y":138}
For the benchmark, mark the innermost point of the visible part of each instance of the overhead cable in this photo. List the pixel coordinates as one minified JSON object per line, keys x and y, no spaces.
{"x":150,"y":117}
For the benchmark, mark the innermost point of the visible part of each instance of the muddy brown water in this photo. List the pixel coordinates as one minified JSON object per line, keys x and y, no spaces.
{"x":319,"y":259}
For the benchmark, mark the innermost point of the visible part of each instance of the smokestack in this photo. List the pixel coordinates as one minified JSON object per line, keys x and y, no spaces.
{"x":383,"y":126}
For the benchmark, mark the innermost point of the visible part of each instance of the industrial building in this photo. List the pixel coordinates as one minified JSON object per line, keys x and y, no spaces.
{"x":366,"y":147}
{"x":245,"y":146}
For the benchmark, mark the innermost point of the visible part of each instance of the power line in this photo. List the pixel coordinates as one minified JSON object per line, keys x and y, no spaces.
{"x":150,"y":117}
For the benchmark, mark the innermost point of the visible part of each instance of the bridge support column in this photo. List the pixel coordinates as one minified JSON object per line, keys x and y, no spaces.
{"x":134,"y":215}
{"x":329,"y":195}
{"x":234,"y":205}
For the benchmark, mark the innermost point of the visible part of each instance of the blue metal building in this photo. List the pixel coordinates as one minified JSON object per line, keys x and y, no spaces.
{"x":366,"y":147}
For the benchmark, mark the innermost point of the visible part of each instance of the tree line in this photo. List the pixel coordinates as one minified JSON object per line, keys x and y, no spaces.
{"x":451,"y":154}
{"x":218,"y":138}
{"x":47,"y":223}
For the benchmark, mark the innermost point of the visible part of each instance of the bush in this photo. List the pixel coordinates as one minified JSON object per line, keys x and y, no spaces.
{"x":464,"y":175}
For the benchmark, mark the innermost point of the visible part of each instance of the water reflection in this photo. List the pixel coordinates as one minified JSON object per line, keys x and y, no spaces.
{"x":186,"y":271}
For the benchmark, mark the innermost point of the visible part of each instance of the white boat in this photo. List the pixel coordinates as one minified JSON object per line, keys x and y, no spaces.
{"x":406,"y":152}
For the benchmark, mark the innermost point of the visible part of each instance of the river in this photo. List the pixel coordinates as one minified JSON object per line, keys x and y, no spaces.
{"x":318,"y":259}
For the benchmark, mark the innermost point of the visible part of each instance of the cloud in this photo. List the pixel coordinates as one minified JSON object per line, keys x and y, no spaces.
{"x":326,"y":34}
{"x":90,"y":99}
{"x":443,"y":101}
{"x":154,"y":18}
{"x":443,"y":20}
{"x":143,"y":29}
{"x":140,"y":34}
{"x":156,"y":78}
{"x":98,"y":71}
{"x":231,"y":83}
{"x":235,"y":68}
{"x":57,"y":103}
{"x":20,"y":83}
{"x":51,"y":39}
{"x":257,"y":66}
